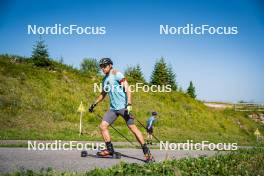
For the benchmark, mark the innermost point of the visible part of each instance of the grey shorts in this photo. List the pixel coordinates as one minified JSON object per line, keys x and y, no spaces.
{"x":111,"y":115}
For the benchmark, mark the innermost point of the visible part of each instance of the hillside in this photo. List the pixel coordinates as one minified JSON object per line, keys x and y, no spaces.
{"x":37,"y":103}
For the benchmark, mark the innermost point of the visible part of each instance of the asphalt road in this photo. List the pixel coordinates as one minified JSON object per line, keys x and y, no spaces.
{"x":13,"y":159}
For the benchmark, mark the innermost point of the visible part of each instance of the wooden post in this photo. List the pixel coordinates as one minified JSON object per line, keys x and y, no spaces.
{"x":80,"y":131}
{"x":81,"y":110}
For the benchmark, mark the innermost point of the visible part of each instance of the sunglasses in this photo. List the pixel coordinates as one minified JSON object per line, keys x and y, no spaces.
{"x":103,"y":65}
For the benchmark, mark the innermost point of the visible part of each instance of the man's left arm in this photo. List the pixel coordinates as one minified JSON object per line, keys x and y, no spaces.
{"x":125,"y":84}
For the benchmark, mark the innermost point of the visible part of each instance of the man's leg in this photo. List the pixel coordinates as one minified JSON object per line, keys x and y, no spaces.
{"x":131,"y":125}
{"x":150,"y":132}
{"x":137,"y":133}
{"x":140,"y":139}
{"x":147,"y":137}
{"x":104,"y":131}
{"x":150,"y":141}
{"x":108,"y":119}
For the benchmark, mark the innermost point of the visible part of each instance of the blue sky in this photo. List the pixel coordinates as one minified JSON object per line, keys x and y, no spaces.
{"x":222,"y":67}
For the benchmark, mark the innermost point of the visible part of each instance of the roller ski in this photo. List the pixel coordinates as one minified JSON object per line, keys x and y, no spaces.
{"x":102,"y":154}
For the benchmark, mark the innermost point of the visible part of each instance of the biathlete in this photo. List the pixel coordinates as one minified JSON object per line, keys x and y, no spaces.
{"x":116,"y":86}
{"x":149,"y":127}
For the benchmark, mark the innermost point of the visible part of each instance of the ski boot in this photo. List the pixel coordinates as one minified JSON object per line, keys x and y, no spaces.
{"x":108,"y":154}
{"x":149,"y":158}
{"x":105,"y":153}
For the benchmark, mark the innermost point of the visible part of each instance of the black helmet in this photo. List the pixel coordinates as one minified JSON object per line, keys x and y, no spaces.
{"x":105,"y":61}
{"x":154,"y":113}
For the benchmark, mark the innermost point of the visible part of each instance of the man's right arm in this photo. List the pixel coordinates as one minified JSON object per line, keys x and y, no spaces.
{"x":98,"y":100}
{"x":100,"y":97}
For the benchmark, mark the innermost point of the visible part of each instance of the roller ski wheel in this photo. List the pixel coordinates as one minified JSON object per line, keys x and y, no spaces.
{"x":84,"y":153}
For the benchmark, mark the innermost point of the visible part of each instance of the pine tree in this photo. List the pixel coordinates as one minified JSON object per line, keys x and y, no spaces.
{"x":134,"y":75}
{"x":163,"y":75}
{"x":160,"y":73}
{"x":191,"y":90}
{"x":172,"y":79}
{"x":40,"y":55}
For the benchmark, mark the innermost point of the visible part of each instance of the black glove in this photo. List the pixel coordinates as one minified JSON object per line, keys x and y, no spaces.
{"x":91,"y":109}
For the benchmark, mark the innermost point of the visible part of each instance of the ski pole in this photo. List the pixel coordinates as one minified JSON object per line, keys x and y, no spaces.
{"x":100,"y":117}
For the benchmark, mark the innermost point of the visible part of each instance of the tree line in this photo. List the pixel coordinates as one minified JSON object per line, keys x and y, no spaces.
{"x":162,"y":73}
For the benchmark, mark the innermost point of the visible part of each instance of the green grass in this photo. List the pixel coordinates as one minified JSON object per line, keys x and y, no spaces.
{"x":41,"y":104}
{"x":241,"y":162}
